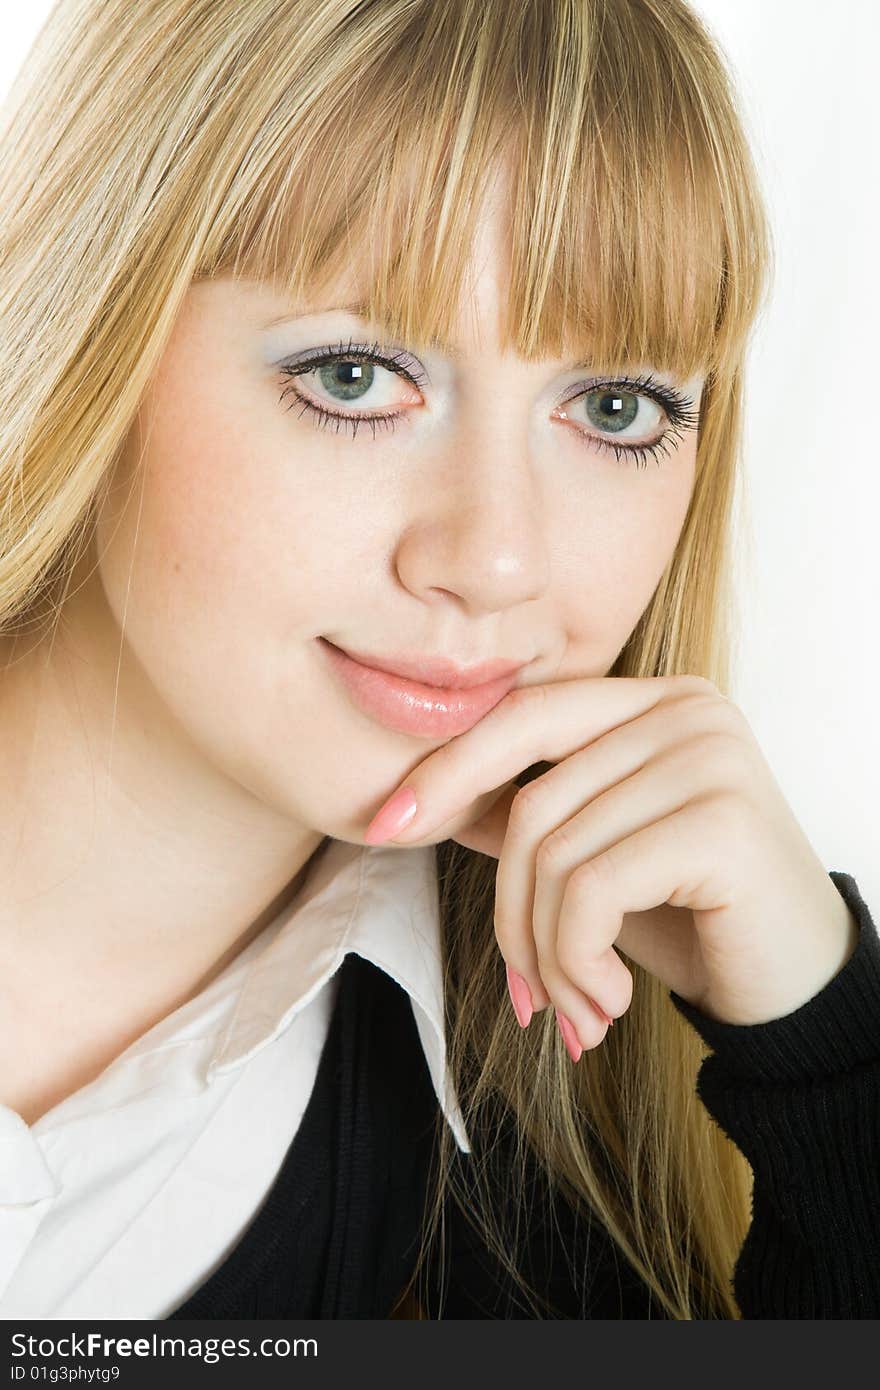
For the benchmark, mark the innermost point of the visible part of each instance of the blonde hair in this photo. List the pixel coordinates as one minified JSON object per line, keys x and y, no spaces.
{"x":147,"y":146}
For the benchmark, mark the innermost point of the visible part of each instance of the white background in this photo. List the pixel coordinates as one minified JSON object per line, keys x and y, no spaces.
{"x":809,"y":670}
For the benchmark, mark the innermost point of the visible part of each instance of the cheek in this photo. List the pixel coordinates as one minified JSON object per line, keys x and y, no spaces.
{"x":225,"y":528}
{"x":215,"y":557}
{"x":626,"y":535}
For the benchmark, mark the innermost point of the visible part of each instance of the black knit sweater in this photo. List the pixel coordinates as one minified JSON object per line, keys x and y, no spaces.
{"x":337,"y":1234}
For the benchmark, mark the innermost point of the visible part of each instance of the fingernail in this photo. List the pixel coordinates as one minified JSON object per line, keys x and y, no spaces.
{"x":520,"y":998}
{"x":397,"y":812}
{"x":569,"y":1036}
{"x":606,"y":1018}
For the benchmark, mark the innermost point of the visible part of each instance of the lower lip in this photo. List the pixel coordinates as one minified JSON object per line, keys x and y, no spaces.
{"x":409,"y":707}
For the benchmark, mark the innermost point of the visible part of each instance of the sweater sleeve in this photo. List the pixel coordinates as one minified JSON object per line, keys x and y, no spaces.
{"x":800,"y":1097}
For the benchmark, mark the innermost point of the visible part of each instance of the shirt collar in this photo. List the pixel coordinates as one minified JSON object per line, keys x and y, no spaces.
{"x":379,"y":902}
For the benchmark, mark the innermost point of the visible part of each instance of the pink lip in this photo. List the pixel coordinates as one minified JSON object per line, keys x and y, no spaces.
{"x":434,"y":670}
{"x":415,"y":707}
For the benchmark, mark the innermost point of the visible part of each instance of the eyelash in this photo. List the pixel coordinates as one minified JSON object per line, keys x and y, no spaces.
{"x":678,"y":408}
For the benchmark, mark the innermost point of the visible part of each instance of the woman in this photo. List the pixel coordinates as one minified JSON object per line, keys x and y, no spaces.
{"x":414,"y":333}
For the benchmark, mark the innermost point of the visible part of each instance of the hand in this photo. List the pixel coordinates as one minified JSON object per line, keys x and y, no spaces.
{"x":660,"y":828}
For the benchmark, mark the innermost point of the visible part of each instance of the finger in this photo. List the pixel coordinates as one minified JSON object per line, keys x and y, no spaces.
{"x":587,"y":1020}
{"x":666,"y":784}
{"x":629,"y":777}
{"x":652,"y":866}
{"x":533,"y":724}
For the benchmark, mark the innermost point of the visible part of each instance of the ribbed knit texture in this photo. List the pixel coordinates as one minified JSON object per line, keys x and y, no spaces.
{"x":338,"y":1233}
{"x":800,"y":1096}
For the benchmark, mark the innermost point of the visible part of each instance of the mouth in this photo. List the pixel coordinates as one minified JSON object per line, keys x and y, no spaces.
{"x":435,"y":670}
{"x":412,"y":706}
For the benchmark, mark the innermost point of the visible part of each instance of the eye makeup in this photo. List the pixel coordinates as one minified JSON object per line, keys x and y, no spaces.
{"x":624,"y":396}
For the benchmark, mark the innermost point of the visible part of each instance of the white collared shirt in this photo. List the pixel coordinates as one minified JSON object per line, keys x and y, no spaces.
{"x":121,"y":1200}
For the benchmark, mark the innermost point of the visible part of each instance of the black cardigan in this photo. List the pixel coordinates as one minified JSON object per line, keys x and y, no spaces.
{"x":337,"y":1234}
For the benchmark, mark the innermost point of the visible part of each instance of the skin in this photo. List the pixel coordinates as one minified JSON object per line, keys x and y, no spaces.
{"x":174,"y":758}
{"x":660,"y":830}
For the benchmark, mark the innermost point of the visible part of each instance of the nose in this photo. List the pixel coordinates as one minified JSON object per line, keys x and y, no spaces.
{"x":478,"y":531}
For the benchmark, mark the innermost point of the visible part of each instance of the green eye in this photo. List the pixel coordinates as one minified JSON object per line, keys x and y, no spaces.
{"x":347,"y":372}
{"x":611,"y":407}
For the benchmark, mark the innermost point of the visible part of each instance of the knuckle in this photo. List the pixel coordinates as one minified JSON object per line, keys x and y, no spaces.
{"x":554,"y":853}
{"x":687,"y":684}
{"x":732,"y":718}
{"x":585,"y":880}
{"x":701,"y":688}
{"x":728,"y":754}
{"x":699,"y":691}
{"x":525,"y":809}
{"x":706,"y":701}
{"x":730,"y":815}
{"x":721,"y":749}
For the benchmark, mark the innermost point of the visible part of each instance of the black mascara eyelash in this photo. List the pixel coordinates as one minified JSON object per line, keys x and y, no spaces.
{"x":399,"y":362}
{"x":678,"y":408}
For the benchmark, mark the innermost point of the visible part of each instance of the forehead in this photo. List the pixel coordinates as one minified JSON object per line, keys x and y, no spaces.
{"x":489,"y":287}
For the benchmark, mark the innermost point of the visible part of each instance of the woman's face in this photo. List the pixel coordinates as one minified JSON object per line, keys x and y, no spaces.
{"x":484,"y":525}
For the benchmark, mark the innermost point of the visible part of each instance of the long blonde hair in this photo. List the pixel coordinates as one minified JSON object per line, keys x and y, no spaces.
{"x":146,"y":146}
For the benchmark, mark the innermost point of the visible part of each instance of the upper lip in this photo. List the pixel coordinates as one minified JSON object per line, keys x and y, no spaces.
{"x":436,"y":670}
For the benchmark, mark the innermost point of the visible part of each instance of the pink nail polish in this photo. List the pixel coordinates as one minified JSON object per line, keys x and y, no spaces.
{"x":520,"y":998}
{"x":397,"y":812}
{"x":606,"y":1018}
{"x":569,"y":1036}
